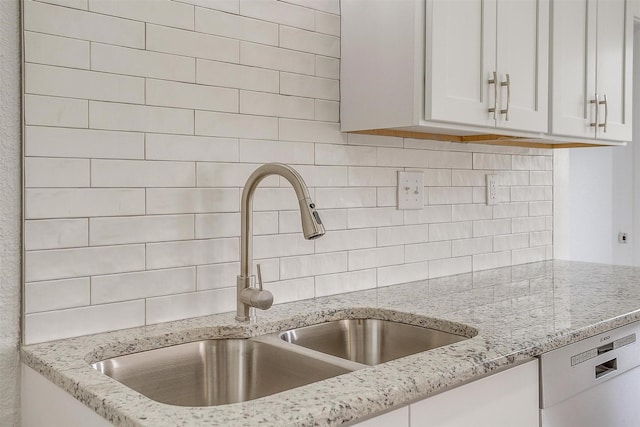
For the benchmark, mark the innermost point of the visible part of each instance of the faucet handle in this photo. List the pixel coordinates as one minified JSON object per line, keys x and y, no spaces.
{"x":259,"y":276}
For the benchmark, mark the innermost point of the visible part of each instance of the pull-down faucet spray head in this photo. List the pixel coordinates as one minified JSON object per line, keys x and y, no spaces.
{"x":312,"y":227}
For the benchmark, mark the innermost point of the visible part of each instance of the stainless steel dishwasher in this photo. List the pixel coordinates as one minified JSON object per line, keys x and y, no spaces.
{"x":594,"y":382}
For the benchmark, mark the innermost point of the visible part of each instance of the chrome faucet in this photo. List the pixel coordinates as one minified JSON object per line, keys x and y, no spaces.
{"x":248,"y":296}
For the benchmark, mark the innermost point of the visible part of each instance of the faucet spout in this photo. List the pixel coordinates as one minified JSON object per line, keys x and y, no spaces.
{"x":312,"y":228}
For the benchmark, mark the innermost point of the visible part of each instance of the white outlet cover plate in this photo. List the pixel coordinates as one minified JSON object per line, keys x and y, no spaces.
{"x":410,"y":190}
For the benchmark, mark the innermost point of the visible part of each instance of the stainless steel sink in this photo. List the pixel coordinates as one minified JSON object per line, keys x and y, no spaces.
{"x":369,"y":341}
{"x":216,"y":372}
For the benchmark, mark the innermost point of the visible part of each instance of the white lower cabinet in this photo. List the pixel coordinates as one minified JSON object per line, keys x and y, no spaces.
{"x":506,"y":399}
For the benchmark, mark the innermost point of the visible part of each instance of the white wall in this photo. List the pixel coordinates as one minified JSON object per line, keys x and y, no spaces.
{"x":143,"y":124}
{"x":10,"y":211}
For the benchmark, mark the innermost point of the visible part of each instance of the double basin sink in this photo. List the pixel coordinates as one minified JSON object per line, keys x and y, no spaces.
{"x":223,"y":371}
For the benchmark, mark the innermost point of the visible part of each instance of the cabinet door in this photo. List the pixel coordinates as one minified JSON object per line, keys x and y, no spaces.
{"x":522,"y":63}
{"x":396,"y":418}
{"x":614,"y":69}
{"x":460,"y":60}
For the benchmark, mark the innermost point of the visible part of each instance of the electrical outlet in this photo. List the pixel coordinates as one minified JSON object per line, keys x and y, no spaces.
{"x":410,"y":190}
{"x":492,"y":189}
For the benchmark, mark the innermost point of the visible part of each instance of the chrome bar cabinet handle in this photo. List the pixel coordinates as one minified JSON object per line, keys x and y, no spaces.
{"x":507,"y":83}
{"x":494,"y":82}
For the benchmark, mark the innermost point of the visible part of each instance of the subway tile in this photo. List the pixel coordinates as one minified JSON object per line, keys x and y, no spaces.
{"x":523,"y":225}
{"x":449,"y":159}
{"x":258,"y":151}
{"x":524,"y":194}
{"x":376,"y":257}
{"x":471,"y":212}
{"x":163,"y":12}
{"x":541,"y":238}
{"x":449,"y":195}
{"x":351,"y":281}
{"x":310,"y":131}
{"x":192,"y":200}
{"x":227,"y":75}
{"x":492,"y":260}
{"x":139,"y":118}
{"x":332,"y":198}
{"x":310,"y":87}
{"x":193,"y":148}
{"x":231,"y":6}
{"x":209,"y":226}
{"x":54,"y":172}
{"x":404,"y":234}
{"x":140,"y":229}
{"x":292,"y":289}
{"x":469,"y":178}
{"x":192,"y":252}
{"x":327,"y":67}
{"x":57,"y":142}
{"x":77,"y":24}
{"x":142,"y":173}
{"x":72,"y":83}
{"x":235,"y":26}
{"x":191,"y":44}
{"x":344,"y":240}
{"x":273,"y":199}
{"x":529,"y":163}
{"x":229,"y":175}
{"x":56,"y":234}
{"x":309,"y":41}
{"x":313,"y":265}
{"x":267,"y":104}
{"x":372,"y":177}
{"x":53,"y":50}
{"x":513,"y":178}
{"x":387,"y":196}
{"x":69,"y":263}
{"x":374,"y":217}
{"x":427,"y":251}
{"x":75,"y":4}
{"x":215,"y":276}
{"x":374,"y":140}
{"x":75,"y":322}
{"x":329,"y":6}
{"x":76,"y":202}
{"x":327,"y":111}
{"x":333,"y":219}
{"x":143,"y":284}
{"x":437,"y":177}
{"x":328,"y":154}
{"x":510,"y":210}
{"x":491,"y":161}
{"x":428,"y":214}
{"x":480,"y":195}
{"x":59,"y":112}
{"x":491,"y":227}
{"x":185,"y":306}
{"x":142,"y":63}
{"x":56,"y":295}
{"x":541,"y":177}
{"x":522,"y":256}
{"x":449,"y":266}
{"x":510,"y":241}
{"x":321,"y":176}
{"x":276,"y":58}
{"x":540,"y":208}
{"x":328,"y":23}
{"x":471,"y":246}
{"x":281,"y":245}
{"x":450,"y":231}
{"x":236,"y":125}
{"x":402,"y":157}
{"x":395,"y":274}
{"x":278,"y":12}
{"x":548,"y":223}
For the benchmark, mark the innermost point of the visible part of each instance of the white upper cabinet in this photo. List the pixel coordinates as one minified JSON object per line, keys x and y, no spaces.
{"x":487,"y":63}
{"x":592,"y":58}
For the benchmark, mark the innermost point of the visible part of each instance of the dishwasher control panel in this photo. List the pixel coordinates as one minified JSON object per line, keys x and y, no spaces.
{"x":597,"y":351}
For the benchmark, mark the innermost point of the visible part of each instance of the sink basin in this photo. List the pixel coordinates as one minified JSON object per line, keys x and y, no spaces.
{"x":369,"y":341}
{"x":216,"y":372}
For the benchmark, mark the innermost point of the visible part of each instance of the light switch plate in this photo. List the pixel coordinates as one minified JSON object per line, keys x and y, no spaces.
{"x":410,"y":190}
{"x":492,"y":189}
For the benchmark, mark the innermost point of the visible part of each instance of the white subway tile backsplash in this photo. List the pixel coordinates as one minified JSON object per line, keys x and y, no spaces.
{"x":449,"y":159}
{"x":541,"y":177}
{"x":140,"y":229}
{"x":523,"y":225}
{"x":427,"y":251}
{"x":191,"y":44}
{"x":235,"y":26}
{"x":223,"y":74}
{"x":276,"y":58}
{"x":231,"y":6}
{"x":59,"y":142}
{"x":142,"y":173}
{"x":215,"y":276}
{"x":273,"y":199}
{"x":56,"y":295}
{"x":192,"y":252}
{"x":56,"y":234}
{"x":268,"y":104}
{"x":450,"y":266}
{"x":193,"y":148}
{"x":51,"y":111}
{"x":278,"y":12}
{"x":281,"y":245}
{"x":73,"y":83}
{"x":450,"y":231}
{"x":510,"y":210}
{"x":372,"y":177}
{"x":492,"y":227}
{"x":327,"y":111}
{"x":328,"y":23}
{"x":187,"y":305}
{"x":326,"y":154}
{"x":449,"y":195}
{"x":491,"y":161}
{"x":331,"y":198}
{"x":401,"y":235}
{"x":144,"y":284}
{"x":230,"y":175}
{"x":310,"y":87}
{"x":55,"y":172}
{"x":321,"y":176}
{"x":136,"y":62}
{"x":309,"y":41}
{"x":510,"y":241}
{"x":387,"y":196}
{"x":395,"y":274}
{"x":310,"y":131}
{"x":437,"y":177}
{"x":163,"y":12}
{"x":191,"y":200}
{"x":313,"y":265}
{"x":327,"y":67}
{"x":332,"y":219}
{"x":540,"y":208}
{"x":374,"y":140}
{"x":374,"y":217}
{"x":529,"y":163}
{"x":76,"y":4}
{"x":429,"y":214}
{"x":491,"y":260}
{"x":523,"y":194}
{"x":236,"y":125}
{"x":399,"y":157}
{"x":209,"y":226}
{"x":53,"y":50}
{"x":471,"y":212}
{"x":344,"y":240}
{"x":77,"y":24}
{"x":76,"y":202}
{"x":258,"y":151}
{"x":139,"y":118}
{"x":522,"y":256}
{"x":330,"y":6}
{"x":541,"y":238}
{"x":69,"y":263}
{"x":376,"y":257}
{"x":469,"y":178}
{"x":345,"y":282}
{"x":471,"y":246}
{"x":292,"y":289}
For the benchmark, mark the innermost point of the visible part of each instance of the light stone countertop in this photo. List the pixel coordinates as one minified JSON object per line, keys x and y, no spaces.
{"x":519,"y":312}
